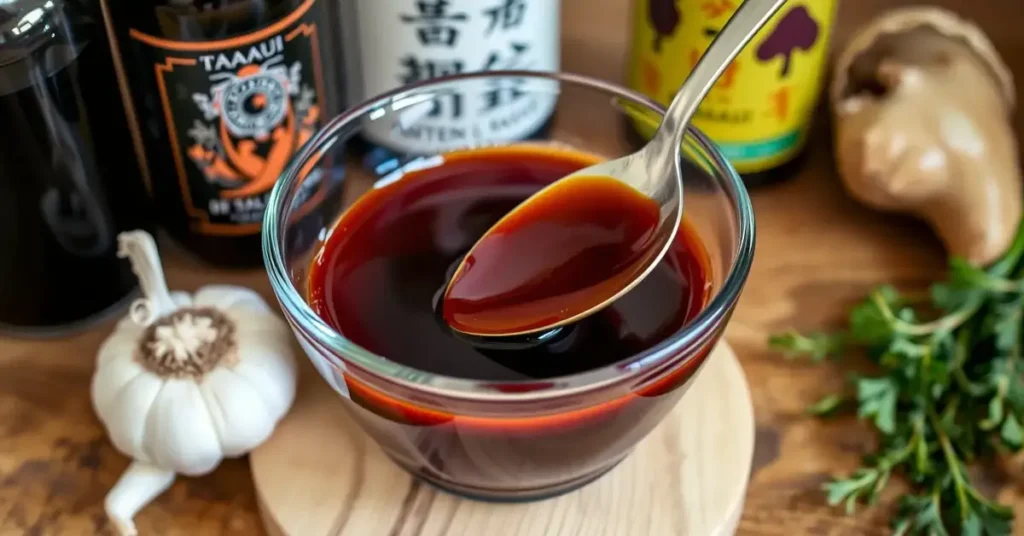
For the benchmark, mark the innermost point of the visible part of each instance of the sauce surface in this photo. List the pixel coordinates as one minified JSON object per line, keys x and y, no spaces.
{"x":380,"y":275}
{"x":571,"y":248}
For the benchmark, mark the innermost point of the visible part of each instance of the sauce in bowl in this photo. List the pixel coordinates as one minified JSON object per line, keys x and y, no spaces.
{"x":379,"y":280}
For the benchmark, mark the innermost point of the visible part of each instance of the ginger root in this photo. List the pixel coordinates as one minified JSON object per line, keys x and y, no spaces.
{"x":922,"y":104}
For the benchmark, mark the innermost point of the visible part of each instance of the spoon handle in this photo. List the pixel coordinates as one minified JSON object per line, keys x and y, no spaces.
{"x":738,"y":31}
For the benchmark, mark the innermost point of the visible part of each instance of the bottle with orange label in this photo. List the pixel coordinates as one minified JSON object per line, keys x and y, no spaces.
{"x":759,"y":113}
{"x":223,"y":93}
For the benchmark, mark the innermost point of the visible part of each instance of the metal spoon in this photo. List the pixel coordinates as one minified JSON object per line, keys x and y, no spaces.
{"x":653,"y":170}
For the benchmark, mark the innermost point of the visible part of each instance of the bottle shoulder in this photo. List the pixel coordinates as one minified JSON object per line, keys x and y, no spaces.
{"x":200,"y":20}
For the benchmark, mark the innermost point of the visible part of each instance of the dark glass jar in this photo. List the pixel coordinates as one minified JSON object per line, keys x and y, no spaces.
{"x":225,"y":92}
{"x":69,"y":180}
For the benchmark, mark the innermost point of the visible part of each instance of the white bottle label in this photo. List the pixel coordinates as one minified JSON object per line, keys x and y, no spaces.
{"x":399,"y":42}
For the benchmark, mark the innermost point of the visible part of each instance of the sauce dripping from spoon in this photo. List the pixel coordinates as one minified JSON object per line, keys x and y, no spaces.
{"x":569,"y":250}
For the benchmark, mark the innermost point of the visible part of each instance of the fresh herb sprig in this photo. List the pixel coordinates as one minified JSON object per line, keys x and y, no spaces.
{"x":949,"y":392}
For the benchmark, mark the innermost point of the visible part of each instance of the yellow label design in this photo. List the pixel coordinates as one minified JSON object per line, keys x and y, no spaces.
{"x":759,"y":110}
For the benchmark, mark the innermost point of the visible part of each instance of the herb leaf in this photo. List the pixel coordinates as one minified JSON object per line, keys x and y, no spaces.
{"x":868,"y":321}
{"x":1011,"y":433}
{"x":877,"y":397}
{"x":947,"y":390}
{"x":817,"y":346}
{"x":826,"y":406}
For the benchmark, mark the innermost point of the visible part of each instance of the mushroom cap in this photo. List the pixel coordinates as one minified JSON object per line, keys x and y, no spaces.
{"x":903,"y":20}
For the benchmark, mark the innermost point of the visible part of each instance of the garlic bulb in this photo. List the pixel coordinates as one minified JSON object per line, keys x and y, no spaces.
{"x":184,"y":381}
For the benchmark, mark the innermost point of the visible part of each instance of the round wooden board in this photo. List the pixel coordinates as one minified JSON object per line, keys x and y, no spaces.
{"x":320,"y":475}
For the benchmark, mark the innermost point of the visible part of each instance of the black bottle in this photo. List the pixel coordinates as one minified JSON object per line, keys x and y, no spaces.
{"x":69,"y":180}
{"x":225,"y":92}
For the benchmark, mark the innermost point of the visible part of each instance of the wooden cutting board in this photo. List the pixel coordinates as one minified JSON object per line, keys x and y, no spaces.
{"x":321,"y":475}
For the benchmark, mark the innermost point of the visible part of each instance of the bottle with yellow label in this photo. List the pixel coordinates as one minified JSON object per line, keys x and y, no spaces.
{"x":759,"y":112}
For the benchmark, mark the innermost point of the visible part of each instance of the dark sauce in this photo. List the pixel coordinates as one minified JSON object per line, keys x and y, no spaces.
{"x":379,"y":279}
{"x":69,"y":180}
{"x":568,"y":250}
{"x":382,"y":271}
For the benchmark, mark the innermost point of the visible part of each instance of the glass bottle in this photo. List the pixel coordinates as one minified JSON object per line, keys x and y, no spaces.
{"x":399,"y":42}
{"x":760,"y":111}
{"x":69,"y":181}
{"x":225,"y":92}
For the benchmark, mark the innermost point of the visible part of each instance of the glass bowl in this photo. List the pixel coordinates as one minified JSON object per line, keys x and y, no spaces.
{"x":500,"y":440}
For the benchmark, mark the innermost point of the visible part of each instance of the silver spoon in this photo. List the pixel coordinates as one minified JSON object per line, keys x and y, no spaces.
{"x":654,"y":170}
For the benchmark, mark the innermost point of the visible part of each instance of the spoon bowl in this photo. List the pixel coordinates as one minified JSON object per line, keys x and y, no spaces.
{"x":653,"y":172}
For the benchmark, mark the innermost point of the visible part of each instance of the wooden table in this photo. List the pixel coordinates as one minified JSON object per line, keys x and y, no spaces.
{"x":817,"y":253}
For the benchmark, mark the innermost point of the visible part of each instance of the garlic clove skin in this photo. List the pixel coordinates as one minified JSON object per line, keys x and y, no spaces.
{"x":264,"y":364}
{"x":138,"y":485}
{"x":124,"y":335}
{"x":262,"y":370}
{"x":106,"y":388}
{"x":239,"y":414}
{"x":126,"y":417}
{"x":180,"y":434}
{"x":230,"y":298}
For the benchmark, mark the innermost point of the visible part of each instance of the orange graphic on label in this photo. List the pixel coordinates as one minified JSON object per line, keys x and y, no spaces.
{"x":717,"y":8}
{"x":250,"y":108}
{"x":780,"y":103}
{"x":728,"y":78}
{"x":651,"y":76}
{"x":236,"y":110}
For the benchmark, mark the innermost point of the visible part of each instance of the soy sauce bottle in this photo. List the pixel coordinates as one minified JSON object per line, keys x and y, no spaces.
{"x":760,"y":111}
{"x":392,"y":43}
{"x":225,"y":92}
{"x":69,"y":182}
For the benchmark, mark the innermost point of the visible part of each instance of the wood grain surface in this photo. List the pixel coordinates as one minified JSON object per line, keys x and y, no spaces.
{"x":818,"y":252}
{"x":675,"y":482}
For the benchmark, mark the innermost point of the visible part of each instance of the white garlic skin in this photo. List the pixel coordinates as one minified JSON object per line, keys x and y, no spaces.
{"x":188,"y":424}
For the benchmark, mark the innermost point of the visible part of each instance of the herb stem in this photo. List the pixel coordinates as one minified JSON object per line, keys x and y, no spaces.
{"x":936,"y":500}
{"x":954,"y":464}
{"x":1000,"y":285}
{"x":960,"y":350}
{"x":953,"y":320}
{"x":1008,"y":261}
{"x":946,"y":323}
{"x":972,"y":388}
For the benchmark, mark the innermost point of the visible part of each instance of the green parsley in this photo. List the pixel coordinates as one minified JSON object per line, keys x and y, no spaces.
{"x":949,"y":391}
